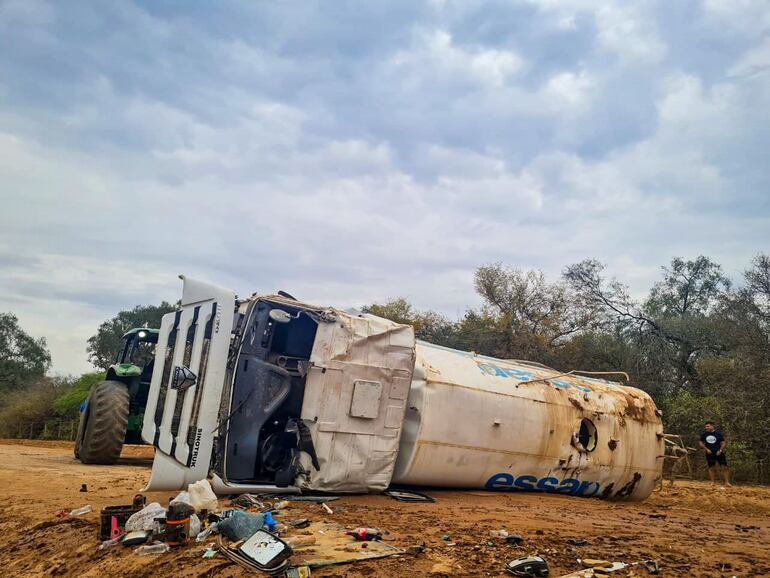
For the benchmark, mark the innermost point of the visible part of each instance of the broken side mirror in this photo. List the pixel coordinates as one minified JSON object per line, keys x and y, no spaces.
{"x":265,"y":550}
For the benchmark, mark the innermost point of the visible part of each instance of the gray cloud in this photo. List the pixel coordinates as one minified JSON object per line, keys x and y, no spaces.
{"x":352,"y":153}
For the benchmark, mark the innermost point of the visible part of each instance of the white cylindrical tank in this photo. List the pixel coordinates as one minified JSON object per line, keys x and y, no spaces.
{"x":473,"y":421}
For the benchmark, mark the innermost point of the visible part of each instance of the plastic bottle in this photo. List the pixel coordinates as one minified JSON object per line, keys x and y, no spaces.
{"x":281,"y":505}
{"x":154,"y":548}
{"x":195,"y":525}
{"x":206,"y":533}
{"x":81,"y":511}
{"x":362,"y":534}
{"x":108,"y":543}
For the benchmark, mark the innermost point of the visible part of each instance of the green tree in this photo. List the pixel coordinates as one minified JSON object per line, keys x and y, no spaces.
{"x":26,"y":410}
{"x":428,"y":325}
{"x":536,"y":317}
{"x":68,"y":404}
{"x":674,"y":326}
{"x":104,"y":345}
{"x":23,"y":359}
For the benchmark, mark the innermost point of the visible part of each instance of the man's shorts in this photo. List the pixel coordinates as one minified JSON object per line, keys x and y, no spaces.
{"x":713,"y":459}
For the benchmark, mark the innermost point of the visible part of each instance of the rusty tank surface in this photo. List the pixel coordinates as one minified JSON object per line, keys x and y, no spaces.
{"x":475,"y":421}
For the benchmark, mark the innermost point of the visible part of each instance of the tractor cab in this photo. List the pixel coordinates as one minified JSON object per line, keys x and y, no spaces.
{"x":136,"y":356}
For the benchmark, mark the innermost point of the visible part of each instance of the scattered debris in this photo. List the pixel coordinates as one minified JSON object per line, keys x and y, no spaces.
{"x":592,"y":563}
{"x":530,"y":567}
{"x":300,"y":541}
{"x":596,"y":568}
{"x":209,"y":553}
{"x":577,"y":541}
{"x":109,"y":543}
{"x":83,"y":487}
{"x":405,"y":496}
{"x":301,"y":523}
{"x":135,"y":538}
{"x":202,"y":497}
{"x":514,"y":539}
{"x":114,"y":518}
{"x":316,"y":499}
{"x":214,"y":527}
{"x":240,"y":525}
{"x":498,"y":533}
{"x":652,"y":566}
{"x":246,"y":502}
{"x":145,"y":518}
{"x":365,"y":534}
{"x":248,"y":534}
{"x":266,"y":550}
{"x":154,"y":548}
{"x":445,"y":537}
{"x":270,"y":522}
{"x":81,"y":511}
{"x":298,"y":572}
{"x":177,"y":527}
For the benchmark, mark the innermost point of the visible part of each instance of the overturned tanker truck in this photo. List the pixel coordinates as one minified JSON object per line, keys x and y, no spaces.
{"x":271,"y":394}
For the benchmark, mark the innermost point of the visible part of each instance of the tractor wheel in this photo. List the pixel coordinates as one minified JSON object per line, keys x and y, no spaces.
{"x":103,"y":424}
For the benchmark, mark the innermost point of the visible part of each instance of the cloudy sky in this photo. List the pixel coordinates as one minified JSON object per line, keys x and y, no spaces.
{"x":349,"y":152}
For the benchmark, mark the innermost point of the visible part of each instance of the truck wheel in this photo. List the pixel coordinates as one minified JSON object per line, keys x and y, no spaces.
{"x":103,"y":424}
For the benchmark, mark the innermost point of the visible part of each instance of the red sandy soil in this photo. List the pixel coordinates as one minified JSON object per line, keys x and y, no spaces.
{"x":693,"y":530}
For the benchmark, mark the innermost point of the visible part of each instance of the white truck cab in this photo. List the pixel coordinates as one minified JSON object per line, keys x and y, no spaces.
{"x":270,"y":394}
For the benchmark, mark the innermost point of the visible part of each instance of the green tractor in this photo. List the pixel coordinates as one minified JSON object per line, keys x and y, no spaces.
{"x":113,"y":412}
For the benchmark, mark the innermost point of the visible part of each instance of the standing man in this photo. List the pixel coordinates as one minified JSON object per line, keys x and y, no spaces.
{"x":714,"y":443}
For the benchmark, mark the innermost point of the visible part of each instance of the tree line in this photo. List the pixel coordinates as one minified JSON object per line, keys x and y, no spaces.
{"x":36,"y":404}
{"x":697,"y":342}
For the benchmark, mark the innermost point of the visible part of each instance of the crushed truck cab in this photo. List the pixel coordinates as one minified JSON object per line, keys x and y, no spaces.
{"x":270,"y":394}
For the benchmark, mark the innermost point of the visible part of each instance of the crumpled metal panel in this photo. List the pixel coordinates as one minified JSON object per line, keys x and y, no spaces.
{"x":356,"y":454}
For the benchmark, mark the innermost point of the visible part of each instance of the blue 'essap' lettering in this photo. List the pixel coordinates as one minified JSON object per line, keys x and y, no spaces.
{"x":526,"y":482}
{"x":524,"y":375}
{"x":584,"y":488}
{"x":500,"y":482}
{"x":568,"y":486}
{"x":548,"y":484}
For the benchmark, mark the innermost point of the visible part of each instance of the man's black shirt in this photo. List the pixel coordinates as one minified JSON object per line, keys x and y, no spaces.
{"x":712,"y":440}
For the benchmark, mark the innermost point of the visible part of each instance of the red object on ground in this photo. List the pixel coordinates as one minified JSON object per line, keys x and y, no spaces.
{"x":363,"y":534}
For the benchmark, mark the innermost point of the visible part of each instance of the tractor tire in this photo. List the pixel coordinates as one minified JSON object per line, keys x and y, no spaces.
{"x":103,"y":424}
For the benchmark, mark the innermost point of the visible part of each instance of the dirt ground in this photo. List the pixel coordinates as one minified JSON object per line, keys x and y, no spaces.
{"x":692,"y":530}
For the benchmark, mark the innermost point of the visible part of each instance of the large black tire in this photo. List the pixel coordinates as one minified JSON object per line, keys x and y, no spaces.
{"x":103,"y":424}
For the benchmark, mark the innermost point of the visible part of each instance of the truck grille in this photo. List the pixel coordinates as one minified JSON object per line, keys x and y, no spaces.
{"x":184,"y":341}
